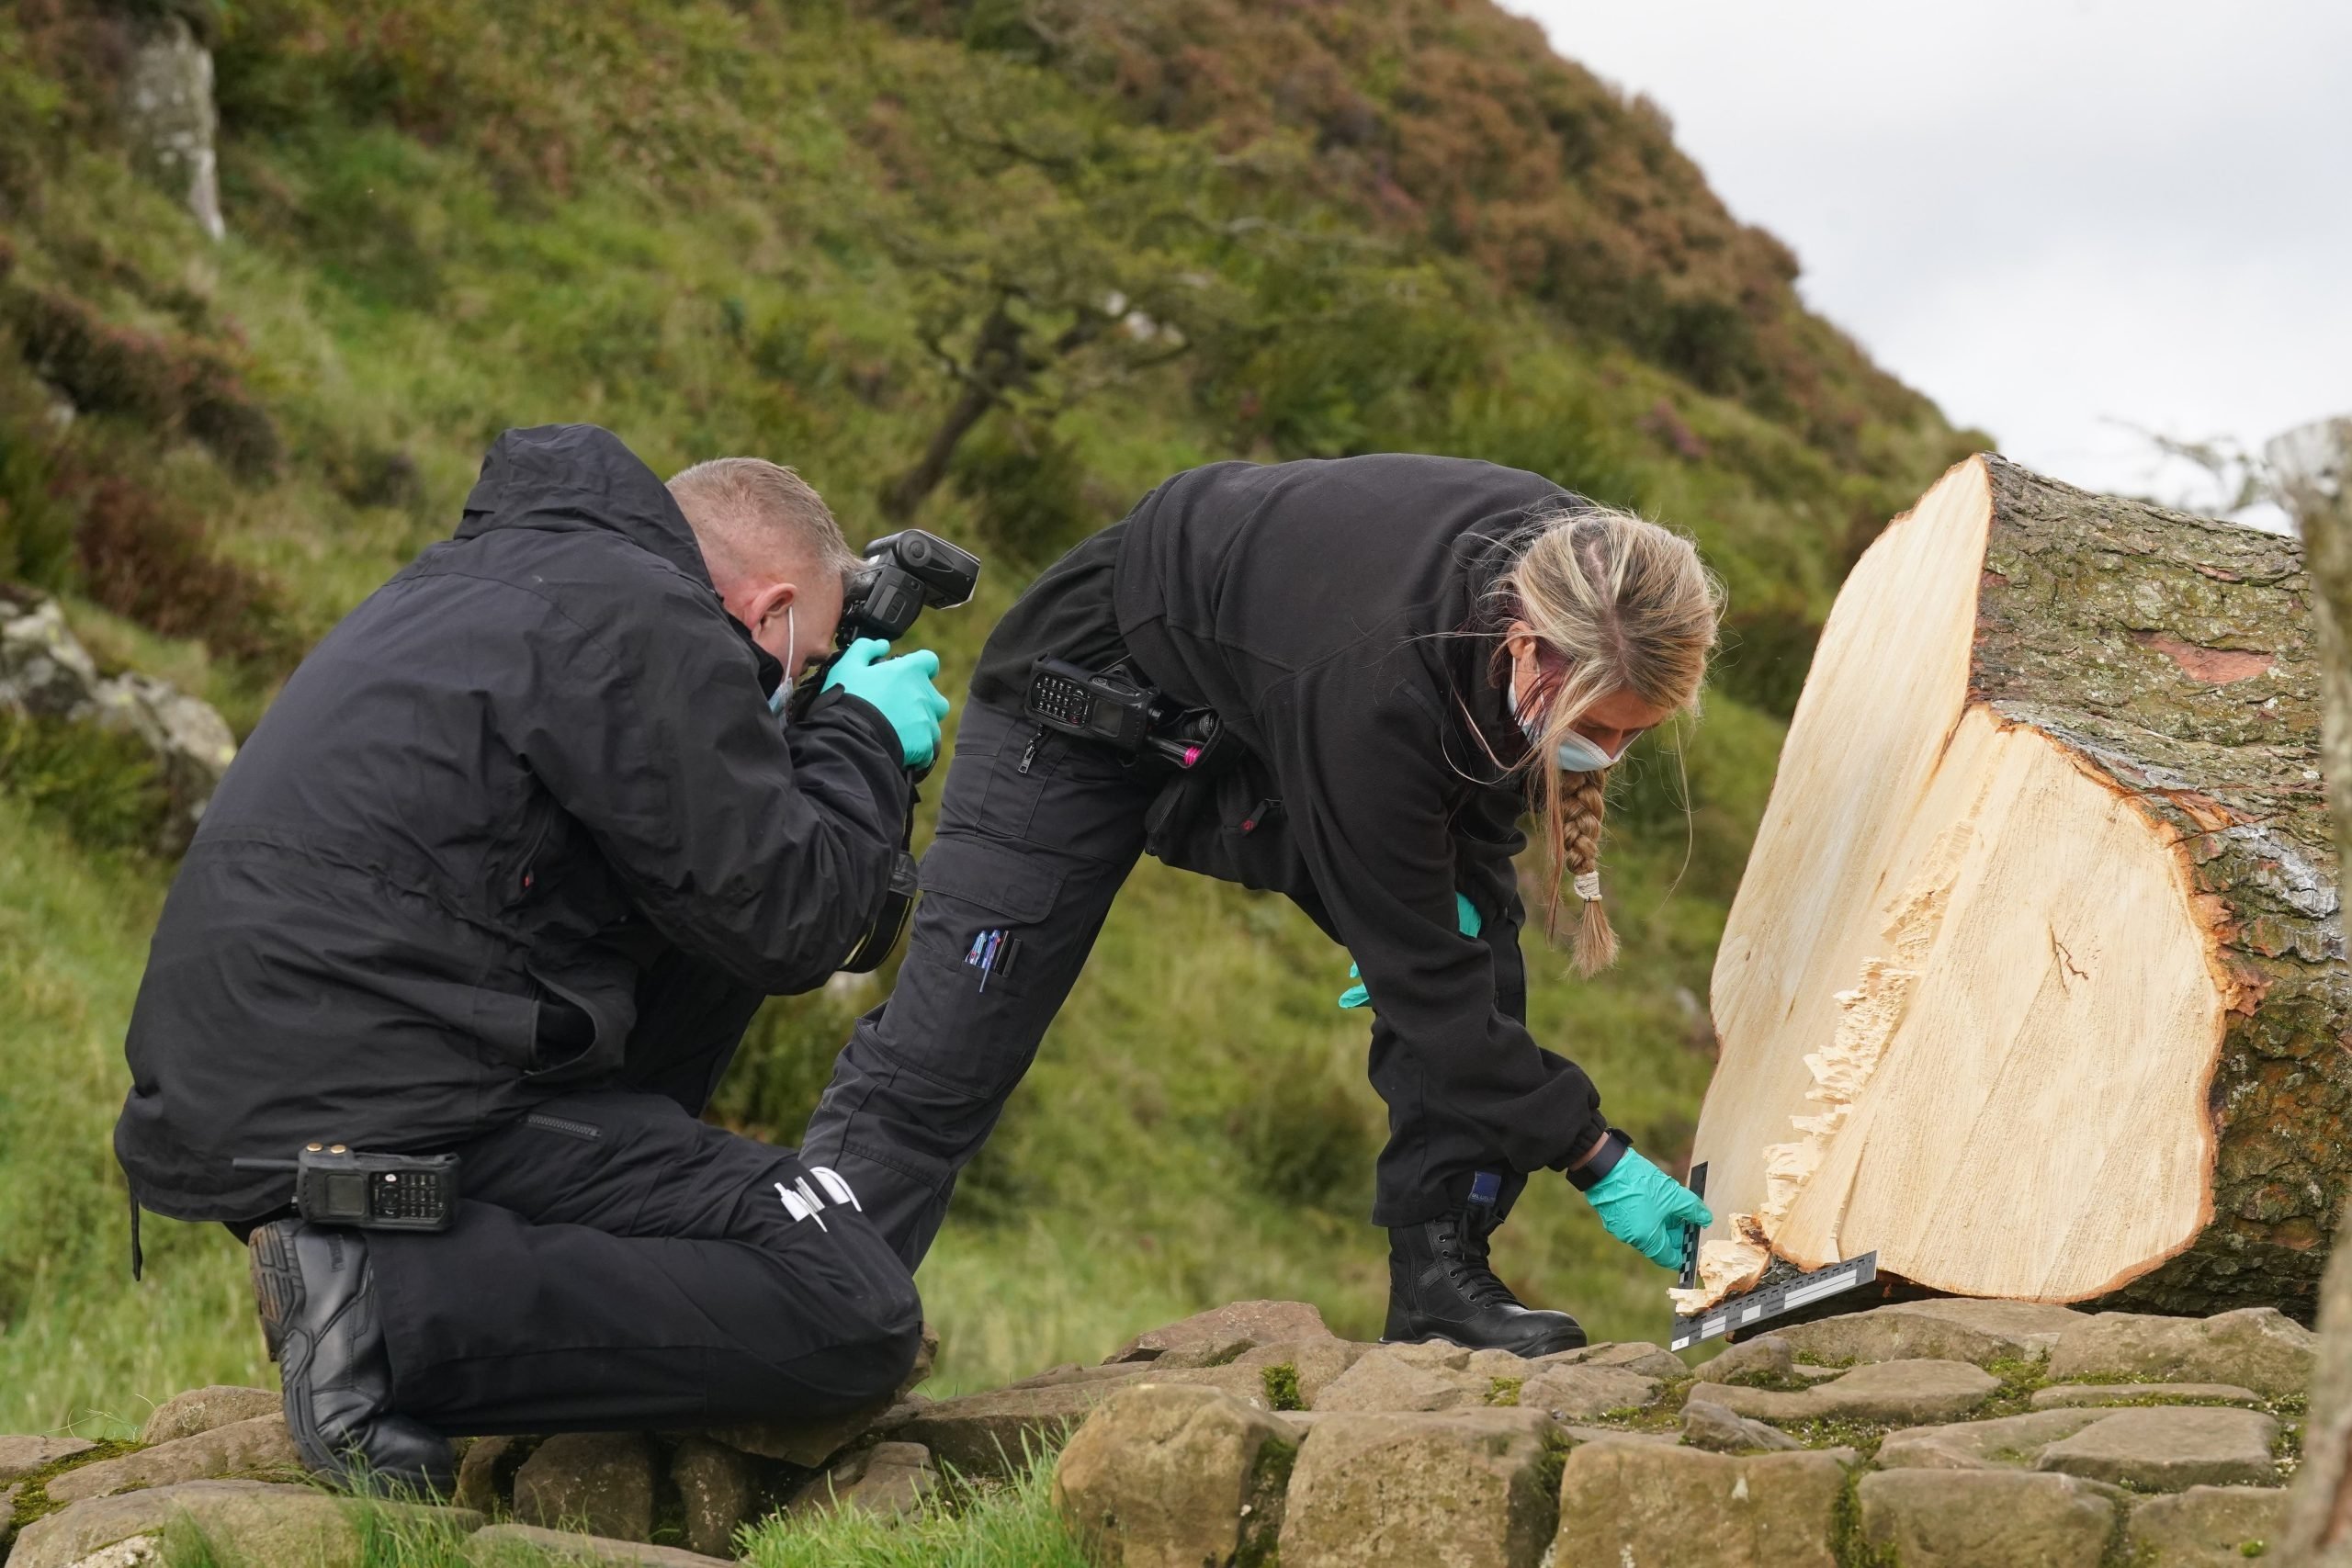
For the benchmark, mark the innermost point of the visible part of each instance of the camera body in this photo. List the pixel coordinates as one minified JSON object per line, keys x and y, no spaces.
{"x":904,"y":572}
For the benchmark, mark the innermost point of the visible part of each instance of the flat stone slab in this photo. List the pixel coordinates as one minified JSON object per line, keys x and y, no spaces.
{"x":2070,"y":1394}
{"x":808,"y":1444}
{"x":1242,"y":1326}
{"x":993,"y":1434}
{"x":1165,"y":1475}
{"x":1706,"y":1425}
{"x":1631,"y":1355}
{"x":1881,"y":1391}
{"x":259,"y":1447}
{"x":1314,"y":1365}
{"x":22,"y":1456}
{"x":1975,"y":1518}
{"x":2206,"y":1527}
{"x":500,"y":1545}
{"x":2170,"y":1448}
{"x":1468,"y":1488}
{"x":1958,"y":1329}
{"x":1421,"y":1378}
{"x":2009,"y":1442}
{"x":248,"y":1521}
{"x":1579,"y":1393}
{"x":1770,"y":1355}
{"x":1647,"y":1504}
{"x":202,"y":1409}
{"x":2255,"y":1347}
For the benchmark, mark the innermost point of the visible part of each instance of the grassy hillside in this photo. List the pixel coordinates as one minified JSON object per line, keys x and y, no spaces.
{"x":1062,"y":249}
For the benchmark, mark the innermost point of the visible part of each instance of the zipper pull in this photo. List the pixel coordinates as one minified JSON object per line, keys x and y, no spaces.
{"x":1029,"y":756}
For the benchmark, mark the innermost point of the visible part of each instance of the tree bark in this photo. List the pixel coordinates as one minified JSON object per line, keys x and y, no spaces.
{"x":2314,"y":469}
{"x":2035,"y":983}
{"x":998,"y":367}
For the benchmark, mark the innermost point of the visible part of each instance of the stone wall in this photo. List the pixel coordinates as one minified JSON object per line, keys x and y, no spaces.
{"x":1941,"y":1434}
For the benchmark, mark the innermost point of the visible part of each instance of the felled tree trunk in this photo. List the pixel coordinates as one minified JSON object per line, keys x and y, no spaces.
{"x":2314,"y":467}
{"x":2035,"y":983}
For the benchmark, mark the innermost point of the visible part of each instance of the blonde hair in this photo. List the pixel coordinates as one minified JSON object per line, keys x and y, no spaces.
{"x":1617,"y":604}
{"x":751,"y":515}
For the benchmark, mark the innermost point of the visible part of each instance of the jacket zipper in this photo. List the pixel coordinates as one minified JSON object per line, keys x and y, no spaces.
{"x":587,"y":1133}
{"x":1029,"y":756}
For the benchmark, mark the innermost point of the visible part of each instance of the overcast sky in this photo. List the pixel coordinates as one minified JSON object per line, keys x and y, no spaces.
{"x":2057,"y":217}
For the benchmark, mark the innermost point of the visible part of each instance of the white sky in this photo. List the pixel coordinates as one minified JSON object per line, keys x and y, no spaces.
{"x":2056,"y":219}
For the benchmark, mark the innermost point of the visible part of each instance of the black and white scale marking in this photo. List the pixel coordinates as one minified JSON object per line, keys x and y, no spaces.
{"x":1767,"y":1300}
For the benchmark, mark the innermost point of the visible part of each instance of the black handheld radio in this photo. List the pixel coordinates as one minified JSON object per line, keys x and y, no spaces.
{"x":338,"y":1186}
{"x":1111,"y":710}
{"x":903,"y":573}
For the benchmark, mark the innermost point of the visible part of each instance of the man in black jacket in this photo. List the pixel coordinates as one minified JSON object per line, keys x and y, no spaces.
{"x":504,"y":872}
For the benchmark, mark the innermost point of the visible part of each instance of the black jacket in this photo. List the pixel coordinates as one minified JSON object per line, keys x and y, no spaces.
{"x":522,"y":822}
{"x":1337,"y":616}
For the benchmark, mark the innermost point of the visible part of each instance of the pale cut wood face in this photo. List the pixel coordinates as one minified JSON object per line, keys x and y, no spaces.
{"x":1968,"y":1019}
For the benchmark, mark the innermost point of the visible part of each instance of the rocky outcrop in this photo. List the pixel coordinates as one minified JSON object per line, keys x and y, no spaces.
{"x":169,"y":118}
{"x":45,"y":673}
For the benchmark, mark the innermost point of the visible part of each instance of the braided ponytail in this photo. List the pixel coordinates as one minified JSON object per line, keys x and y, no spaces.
{"x":1587,"y":798}
{"x":1616,"y":604}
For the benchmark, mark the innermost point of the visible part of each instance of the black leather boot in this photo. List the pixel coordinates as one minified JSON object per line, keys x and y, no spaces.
{"x":1441,"y":1288}
{"x":317,"y":1297}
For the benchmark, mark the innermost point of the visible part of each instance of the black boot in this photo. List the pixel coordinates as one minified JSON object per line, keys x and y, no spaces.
{"x":1441,"y":1288}
{"x":317,"y":1296}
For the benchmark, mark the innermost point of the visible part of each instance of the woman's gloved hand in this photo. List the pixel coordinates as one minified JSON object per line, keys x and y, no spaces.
{"x":1464,"y":916}
{"x":1646,"y":1209}
{"x":900,"y":688}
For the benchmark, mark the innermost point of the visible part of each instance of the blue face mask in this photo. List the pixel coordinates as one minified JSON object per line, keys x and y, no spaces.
{"x":1576,"y":755}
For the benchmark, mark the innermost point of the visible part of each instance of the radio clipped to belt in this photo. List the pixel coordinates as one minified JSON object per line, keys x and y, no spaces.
{"x":338,"y":1186}
{"x":1133,"y":720}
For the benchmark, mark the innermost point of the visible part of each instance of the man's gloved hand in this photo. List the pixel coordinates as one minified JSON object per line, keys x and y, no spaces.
{"x":900,"y":688}
{"x":1464,"y":916}
{"x":1646,"y":1209}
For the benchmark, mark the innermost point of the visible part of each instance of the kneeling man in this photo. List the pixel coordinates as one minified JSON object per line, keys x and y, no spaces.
{"x":504,"y":873}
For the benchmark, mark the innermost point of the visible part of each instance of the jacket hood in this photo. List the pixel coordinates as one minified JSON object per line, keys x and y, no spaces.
{"x":580,"y":476}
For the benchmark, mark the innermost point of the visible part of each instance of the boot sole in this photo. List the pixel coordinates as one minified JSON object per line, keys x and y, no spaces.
{"x":278,"y":1285}
{"x":277,"y":1291}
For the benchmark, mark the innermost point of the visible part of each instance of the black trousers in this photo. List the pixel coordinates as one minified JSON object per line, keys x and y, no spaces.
{"x":617,"y":1263}
{"x":1037,"y":834}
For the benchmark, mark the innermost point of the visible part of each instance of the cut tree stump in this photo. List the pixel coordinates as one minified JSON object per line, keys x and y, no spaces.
{"x":2035,"y":984}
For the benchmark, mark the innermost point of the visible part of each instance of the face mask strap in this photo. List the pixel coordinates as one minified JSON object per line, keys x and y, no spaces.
{"x":791,"y":645}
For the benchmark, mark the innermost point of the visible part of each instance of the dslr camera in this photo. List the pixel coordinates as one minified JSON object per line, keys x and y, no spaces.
{"x":904,"y":572}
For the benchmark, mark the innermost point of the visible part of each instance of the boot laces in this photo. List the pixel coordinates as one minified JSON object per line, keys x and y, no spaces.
{"x":1464,"y":1253}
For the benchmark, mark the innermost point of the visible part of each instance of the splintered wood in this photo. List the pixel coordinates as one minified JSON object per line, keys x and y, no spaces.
{"x":2042,"y":898}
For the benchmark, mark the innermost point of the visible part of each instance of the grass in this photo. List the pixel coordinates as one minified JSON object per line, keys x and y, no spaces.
{"x":996,"y":1526}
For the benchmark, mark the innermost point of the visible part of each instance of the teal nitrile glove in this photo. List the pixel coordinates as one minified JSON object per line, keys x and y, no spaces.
{"x":1464,"y":917}
{"x":900,"y":688}
{"x":1646,"y":1209}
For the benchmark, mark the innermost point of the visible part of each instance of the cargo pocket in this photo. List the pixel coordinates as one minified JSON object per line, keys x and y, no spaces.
{"x":998,"y":882}
{"x":962,"y":1015}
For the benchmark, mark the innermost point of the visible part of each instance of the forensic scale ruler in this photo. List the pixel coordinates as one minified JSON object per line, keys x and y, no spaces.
{"x":1773,"y":1298}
